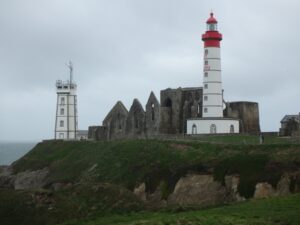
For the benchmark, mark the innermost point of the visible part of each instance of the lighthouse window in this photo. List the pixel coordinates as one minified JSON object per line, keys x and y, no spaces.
{"x":206,"y":52}
{"x":62,"y":101}
{"x":62,"y":111}
{"x":205,"y":98}
{"x":206,"y":63}
{"x":212,"y":27}
{"x":205,"y":86}
{"x":61,"y":123}
{"x":205,"y":110}
{"x":206,"y":74}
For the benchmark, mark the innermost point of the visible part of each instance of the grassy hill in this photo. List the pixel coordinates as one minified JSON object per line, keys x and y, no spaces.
{"x":103,"y":173}
{"x":130,"y":162}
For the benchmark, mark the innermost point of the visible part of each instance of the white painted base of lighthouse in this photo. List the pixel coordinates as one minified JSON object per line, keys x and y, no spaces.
{"x":213,"y":125}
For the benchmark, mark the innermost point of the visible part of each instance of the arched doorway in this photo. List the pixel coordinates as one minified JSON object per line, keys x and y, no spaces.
{"x":213,"y":129}
{"x":231,"y":129}
{"x":194,"y":129}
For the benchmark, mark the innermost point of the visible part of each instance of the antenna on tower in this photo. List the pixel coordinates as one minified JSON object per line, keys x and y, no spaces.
{"x":70,"y":66}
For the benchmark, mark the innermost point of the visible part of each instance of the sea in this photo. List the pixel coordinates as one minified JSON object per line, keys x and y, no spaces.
{"x":12,"y":151}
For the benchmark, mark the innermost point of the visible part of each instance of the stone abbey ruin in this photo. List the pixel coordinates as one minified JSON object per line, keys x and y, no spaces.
{"x":168,"y":116}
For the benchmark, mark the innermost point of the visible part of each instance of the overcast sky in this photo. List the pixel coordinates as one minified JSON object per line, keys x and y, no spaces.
{"x":123,"y":49}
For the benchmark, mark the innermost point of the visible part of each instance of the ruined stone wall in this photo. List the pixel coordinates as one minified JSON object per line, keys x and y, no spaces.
{"x":192,"y":104}
{"x":248,"y":114}
{"x":98,"y":133}
{"x":152,"y":116}
{"x":171,"y":111}
{"x":135,"y":122}
{"x":115,"y":121}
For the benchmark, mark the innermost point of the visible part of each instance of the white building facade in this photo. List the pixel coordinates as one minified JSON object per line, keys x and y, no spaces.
{"x":212,"y":121}
{"x":66,"y":120}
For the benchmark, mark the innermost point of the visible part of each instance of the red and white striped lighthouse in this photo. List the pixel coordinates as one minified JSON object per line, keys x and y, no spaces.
{"x":212,"y":121}
{"x":212,"y":81}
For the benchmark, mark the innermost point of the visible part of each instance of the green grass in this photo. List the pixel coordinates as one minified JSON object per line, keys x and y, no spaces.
{"x":130,"y":162}
{"x":104,"y":171}
{"x":37,"y":207}
{"x":273,"y":211}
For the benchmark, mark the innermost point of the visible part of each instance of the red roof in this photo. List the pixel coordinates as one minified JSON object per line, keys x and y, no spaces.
{"x":211,"y":19}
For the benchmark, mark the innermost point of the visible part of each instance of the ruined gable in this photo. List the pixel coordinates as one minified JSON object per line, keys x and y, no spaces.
{"x":115,"y":121}
{"x":152,"y":115}
{"x":135,"y":122}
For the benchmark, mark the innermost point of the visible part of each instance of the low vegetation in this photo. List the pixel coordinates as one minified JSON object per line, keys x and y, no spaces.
{"x":103,"y":174}
{"x":274,"y":211}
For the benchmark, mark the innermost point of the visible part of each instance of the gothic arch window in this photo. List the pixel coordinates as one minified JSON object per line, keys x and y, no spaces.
{"x":168,"y":102}
{"x":136,"y":121}
{"x":119,"y":121}
{"x":213,"y":129}
{"x":231,"y":129}
{"x":194,"y":129}
{"x":152,"y":111}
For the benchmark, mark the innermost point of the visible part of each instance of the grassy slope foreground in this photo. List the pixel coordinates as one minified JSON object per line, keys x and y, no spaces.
{"x":274,"y":211}
{"x":102,"y":173}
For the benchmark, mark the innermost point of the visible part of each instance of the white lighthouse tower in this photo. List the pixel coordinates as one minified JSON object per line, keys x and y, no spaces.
{"x":212,"y":121}
{"x":212,"y":80}
{"x":66,"y":120}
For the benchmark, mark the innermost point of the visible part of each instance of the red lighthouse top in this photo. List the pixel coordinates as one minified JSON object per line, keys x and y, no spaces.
{"x":212,"y":37}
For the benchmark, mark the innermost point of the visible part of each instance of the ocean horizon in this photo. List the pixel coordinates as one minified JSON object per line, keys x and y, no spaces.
{"x":11,"y":151}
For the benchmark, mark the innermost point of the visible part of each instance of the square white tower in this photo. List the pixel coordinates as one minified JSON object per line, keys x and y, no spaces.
{"x":66,"y":120}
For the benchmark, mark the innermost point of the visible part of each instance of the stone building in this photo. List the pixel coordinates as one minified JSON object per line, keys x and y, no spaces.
{"x":247,"y":113}
{"x":169,"y":116}
{"x":290,"y":125}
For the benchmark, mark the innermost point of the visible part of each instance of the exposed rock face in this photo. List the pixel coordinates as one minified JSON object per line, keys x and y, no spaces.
{"x":283,"y":186}
{"x":31,"y":179}
{"x":264,"y":190}
{"x":140,"y":192}
{"x":7,"y":180}
{"x":198,"y":190}
{"x":135,"y":122}
{"x":231,"y":184}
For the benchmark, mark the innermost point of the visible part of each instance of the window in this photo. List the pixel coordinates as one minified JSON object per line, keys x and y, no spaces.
{"x":62,"y":111}
{"x":61,"y":135}
{"x":62,"y":100}
{"x":212,"y":26}
{"x":206,"y":52}
{"x":206,"y":63}
{"x":206,"y":74}
{"x":205,"y":86}
{"x":194,"y":129}
{"x":231,"y":128}
{"x":119,"y":122}
{"x":152,"y":112}
{"x":205,"y":110}
{"x":61,"y":123}
{"x":205,"y":98}
{"x":198,"y":109}
{"x":213,"y":129}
